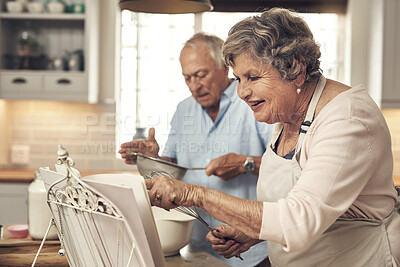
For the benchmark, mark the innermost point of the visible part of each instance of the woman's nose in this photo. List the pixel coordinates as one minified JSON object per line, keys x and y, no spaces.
{"x":243,"y":91}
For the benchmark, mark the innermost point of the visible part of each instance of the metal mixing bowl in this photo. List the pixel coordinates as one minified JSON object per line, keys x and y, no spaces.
{"x":147,"y":165}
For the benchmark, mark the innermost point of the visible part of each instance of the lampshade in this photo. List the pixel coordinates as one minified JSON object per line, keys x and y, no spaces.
{"x":166,"y":6}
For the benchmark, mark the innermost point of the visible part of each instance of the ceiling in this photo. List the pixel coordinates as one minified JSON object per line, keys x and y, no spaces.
{"x":304,"y":6}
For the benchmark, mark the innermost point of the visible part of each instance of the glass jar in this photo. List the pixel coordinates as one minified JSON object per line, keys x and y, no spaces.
{"x":39,"y":214}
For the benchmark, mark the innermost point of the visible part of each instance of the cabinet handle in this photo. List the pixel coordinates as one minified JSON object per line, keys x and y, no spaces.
{"x":64,"y":81}
{"x":19,"y":80}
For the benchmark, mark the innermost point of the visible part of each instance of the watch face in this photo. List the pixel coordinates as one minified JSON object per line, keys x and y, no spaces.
{"x":249,"y":165}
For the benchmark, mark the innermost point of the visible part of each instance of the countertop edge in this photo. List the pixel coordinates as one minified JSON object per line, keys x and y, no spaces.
{"x":27,"y":175}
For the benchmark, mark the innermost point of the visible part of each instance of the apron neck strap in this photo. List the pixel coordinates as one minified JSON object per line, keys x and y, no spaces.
{"x":311,"y":110}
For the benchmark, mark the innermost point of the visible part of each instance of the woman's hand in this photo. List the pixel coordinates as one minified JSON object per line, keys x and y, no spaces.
{"x":227,"y":166}
{"x":169,"y":193}
{"x":147,"y":147}
{"x":230,"y":242}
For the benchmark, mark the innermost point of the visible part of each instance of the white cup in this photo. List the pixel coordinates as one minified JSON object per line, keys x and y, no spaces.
{"x":55,"y":7}
{"x":14,"y":7}
{"x":35,"y":7}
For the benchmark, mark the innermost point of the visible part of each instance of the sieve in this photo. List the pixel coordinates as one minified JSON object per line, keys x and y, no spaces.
{"x":191,"y":211}
{"x":147,"y":164}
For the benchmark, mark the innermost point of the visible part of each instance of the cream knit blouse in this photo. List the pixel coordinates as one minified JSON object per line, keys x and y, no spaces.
{"x":346,"y":162}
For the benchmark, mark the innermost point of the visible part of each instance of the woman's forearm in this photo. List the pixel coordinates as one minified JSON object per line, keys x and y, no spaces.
{"x":245,"y":215}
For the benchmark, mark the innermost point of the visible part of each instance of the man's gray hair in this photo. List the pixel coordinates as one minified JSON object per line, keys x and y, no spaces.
{"x":214,"y":44}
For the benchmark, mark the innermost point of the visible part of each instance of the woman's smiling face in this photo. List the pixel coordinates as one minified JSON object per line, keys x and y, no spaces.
{"x":262,"y":88}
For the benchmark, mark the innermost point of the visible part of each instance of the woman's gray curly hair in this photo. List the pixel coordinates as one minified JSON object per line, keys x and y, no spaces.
{"x":278,"y":37}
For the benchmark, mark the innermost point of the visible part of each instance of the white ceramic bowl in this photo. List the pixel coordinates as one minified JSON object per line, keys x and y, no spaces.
{"x":14,"y":7}
{"x":174,"y":229}
{"x":55,"y":7}
{"x":35,"y":7}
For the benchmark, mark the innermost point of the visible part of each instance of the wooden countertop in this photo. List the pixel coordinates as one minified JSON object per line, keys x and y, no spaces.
{"x":27,"y":175}
{"x":396,"y":180}
{"x":22,"y":251}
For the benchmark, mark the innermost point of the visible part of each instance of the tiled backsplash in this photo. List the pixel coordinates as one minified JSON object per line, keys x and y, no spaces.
{"x":88,"y":132}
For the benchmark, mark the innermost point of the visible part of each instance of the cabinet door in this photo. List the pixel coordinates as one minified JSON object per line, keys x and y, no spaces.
{"x":13,"y":203}
{"x":391,"y":55}
{"x":20,"y":82}
{"x":64,"y":82}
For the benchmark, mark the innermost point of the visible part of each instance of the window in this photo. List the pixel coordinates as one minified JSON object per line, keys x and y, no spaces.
{"x":151,"y":81}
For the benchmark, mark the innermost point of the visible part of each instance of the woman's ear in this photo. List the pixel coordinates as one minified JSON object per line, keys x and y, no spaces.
{"x":302,"y":76}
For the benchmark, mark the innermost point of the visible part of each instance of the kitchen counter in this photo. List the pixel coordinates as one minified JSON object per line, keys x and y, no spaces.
{"x":26,"y":175}
{"x":21,"y":252}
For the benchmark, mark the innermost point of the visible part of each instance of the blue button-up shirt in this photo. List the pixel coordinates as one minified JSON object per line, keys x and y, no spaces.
{"x":195,"y":139}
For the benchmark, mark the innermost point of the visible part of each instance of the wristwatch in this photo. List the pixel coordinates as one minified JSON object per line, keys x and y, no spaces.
{"x":249,"y":165}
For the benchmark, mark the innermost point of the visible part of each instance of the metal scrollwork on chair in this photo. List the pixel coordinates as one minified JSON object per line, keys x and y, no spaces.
{"x":76,"y":193}
{"x":80,"y":212}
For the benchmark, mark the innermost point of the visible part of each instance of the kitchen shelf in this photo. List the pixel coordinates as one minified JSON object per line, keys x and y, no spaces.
{"x":42,"y":16}
{"x":28,"y":68}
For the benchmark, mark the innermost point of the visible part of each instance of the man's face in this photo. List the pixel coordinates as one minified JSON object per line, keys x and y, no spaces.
{"x":205,"y":81}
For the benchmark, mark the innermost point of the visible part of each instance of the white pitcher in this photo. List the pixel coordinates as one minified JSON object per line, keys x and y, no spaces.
{"x":38,"y":211}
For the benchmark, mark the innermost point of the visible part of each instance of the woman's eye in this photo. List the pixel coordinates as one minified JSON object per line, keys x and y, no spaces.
{"x":253,"y":78}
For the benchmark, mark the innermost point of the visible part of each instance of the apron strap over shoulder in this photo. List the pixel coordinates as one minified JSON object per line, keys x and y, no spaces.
{"x":311,"y":111}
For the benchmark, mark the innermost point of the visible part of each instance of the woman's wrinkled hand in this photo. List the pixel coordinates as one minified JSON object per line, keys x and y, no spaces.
{"x":169,"y":193}
{"x":148,"y":147}
{"x":227,"y":166}
{"x":230,"y":242}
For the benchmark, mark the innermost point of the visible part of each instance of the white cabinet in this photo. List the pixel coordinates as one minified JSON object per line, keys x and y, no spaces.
{"x":39,"y":69}
{"x":391,"y":55}
{"x":373,"y":41}
{"x":13,"y":203}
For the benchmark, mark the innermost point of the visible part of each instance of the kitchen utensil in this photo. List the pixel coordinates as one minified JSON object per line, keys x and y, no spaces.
{"x":174,"y":229}
{"x":35,"y":7}
{"x":14,"y":7}
{"x":55,"y":7}
{"x":18,"y":230}
{"x":146,"y":164}
{"x":192,"y":211}
{"x":75,"y":60}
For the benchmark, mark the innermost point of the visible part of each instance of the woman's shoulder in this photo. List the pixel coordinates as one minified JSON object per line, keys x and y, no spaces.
{"x":340,"y":97}
{"x":331,"y":91}
{"x":351,"y":103}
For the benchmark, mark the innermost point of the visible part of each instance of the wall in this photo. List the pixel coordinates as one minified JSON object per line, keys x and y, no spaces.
{"x":3,"y":132}
{"x":87,"y":131}
{"x":392,"y":117}
{"x":371,"y":50}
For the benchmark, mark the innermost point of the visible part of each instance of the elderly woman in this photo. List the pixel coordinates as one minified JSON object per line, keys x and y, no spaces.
{"x":325,"y":190}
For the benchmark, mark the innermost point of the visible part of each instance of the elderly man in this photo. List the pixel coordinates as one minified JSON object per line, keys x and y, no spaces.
{"x":212,"y":128}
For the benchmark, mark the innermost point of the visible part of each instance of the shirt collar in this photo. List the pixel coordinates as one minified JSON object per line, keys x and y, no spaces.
{"x":230,"y":91}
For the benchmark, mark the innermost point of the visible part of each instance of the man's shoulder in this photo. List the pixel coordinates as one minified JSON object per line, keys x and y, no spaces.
{"x":188,"y":101}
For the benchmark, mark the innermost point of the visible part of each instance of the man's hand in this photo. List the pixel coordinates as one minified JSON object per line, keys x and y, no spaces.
{"x":147,"y":147}
{"x":227,"y":166}
{"x":229,"y":242}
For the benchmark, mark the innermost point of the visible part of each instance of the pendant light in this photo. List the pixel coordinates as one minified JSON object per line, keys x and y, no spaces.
{"x":166,"y":6}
